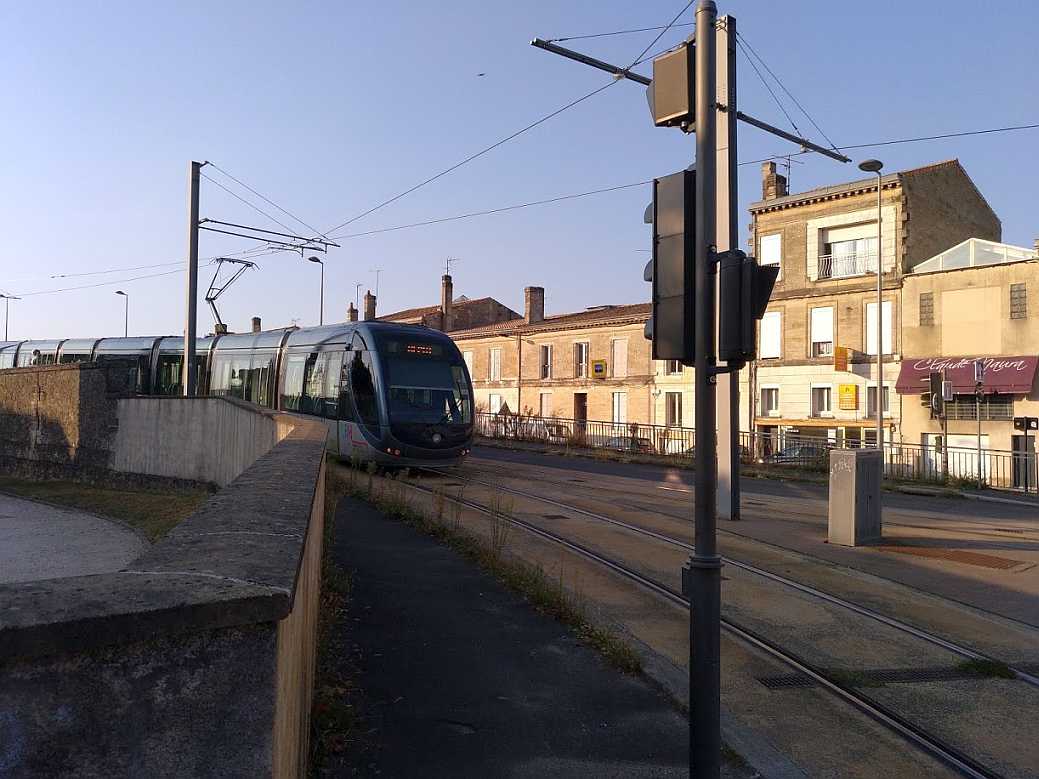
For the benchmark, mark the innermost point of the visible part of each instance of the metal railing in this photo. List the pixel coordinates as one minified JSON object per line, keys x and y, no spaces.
{"x":909,"y":462}
{"x":832,"y":266}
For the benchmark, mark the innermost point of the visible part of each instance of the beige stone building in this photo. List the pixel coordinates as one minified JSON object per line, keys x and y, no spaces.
{"x":824,"y":241}
{"x":978,"y":300}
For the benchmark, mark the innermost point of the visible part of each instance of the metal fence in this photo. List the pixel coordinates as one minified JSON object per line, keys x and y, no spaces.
{"x":910,"y":462}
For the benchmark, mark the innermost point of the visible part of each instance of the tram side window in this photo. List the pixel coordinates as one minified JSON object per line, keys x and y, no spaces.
{"x":262,"y":369}
{"x":362,"y":382}
{"x":231,"y":376}
{"x":168,"y":375}
{"x":346,"y":401}
{"x":292,"y":386}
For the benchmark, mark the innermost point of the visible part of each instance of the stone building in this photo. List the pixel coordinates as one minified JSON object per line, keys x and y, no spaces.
{"x":824,"y":241}
{"x":977,"y":300}
{"x":450,"y":314}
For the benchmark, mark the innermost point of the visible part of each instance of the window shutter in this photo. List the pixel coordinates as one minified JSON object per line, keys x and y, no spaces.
{"x":771,"y":328}
{"x":822,"y":325}
{"x":620,"y":357}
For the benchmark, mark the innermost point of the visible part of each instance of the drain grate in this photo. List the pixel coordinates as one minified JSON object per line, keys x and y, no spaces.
{"x":874,"y":677}
{"x":555,"y":516}
{"x":955,"y":556}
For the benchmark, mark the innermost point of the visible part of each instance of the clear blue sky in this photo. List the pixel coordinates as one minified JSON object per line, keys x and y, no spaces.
{"x":329,"y":108}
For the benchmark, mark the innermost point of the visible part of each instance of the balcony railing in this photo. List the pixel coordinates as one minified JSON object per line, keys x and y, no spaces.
{"x":842,"y":266}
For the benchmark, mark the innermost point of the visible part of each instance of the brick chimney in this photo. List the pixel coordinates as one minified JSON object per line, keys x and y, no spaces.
{"x":534,"y":305}
{"x":256,"y":324}
{"x":447,"y":291}
{"x":773,"y":184}
{"x":1035,"y":245}
{"x":369,"y":306}
{"x":351,"y":313}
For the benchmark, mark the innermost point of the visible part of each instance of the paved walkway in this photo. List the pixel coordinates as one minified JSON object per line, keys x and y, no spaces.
{"x":38,"y":541}
{"x":461,"y":677}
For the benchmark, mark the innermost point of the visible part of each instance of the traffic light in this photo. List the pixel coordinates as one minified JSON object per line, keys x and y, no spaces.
{"x":744,"y":288}
{"x":671,"y":270}
{"x":937,"y":400}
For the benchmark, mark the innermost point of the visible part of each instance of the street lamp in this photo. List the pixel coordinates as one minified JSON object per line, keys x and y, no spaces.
{"x":321,"y":313}
{"x":7,"y":309}
{"x":875,"y":166}
{"x":357,"y":295}
{"x":126,"y":312}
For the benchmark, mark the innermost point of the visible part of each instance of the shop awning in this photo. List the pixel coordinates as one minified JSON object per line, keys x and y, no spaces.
{"x":1005,"y":375}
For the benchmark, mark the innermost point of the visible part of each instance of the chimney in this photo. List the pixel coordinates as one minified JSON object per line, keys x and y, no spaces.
{"x":220,"y":329}
{"x":369,"y":306}
{"x":351,"y":313}
{"x":773,"y":184}
{"x":1035,"y":245}
{"x":447,"y":291}
{"x":534,"y":305}
{"x":256,"y":324}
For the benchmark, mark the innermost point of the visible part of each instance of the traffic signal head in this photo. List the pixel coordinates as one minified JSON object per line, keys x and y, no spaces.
{"x":744,"y":288}
{"x":671,"y":270}
{"x":937,"y":403}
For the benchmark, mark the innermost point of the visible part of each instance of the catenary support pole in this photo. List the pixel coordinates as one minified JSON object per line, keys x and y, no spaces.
{"x":705,"y":565}
{"x":188,"y":373}
{"x":727,"y":237}
{"x":880,"y":328}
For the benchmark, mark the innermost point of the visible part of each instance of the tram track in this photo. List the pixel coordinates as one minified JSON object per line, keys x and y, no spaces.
{"x":915,"y":734}
{"x":951,"y":646}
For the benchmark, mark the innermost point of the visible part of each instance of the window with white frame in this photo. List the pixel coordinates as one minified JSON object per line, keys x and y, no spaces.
{"x":546,"y":361}
{"x":467,"y":357}
{"x":620,"y":408}
{"x":769,"y":402}
{"x":581,"y":360}
{"x":822,"y":332}
{"x":770,"y":249}
{"x":821,"y":400}
{"x":871,"y":327}
{"x":619,"y":357}
{"x":545,"y":404}
{"x":771,"y":335}
{"x":672,"y":367}
{"x":494,"y":368}
{"x":494,"y":403}
{"x":871,"y":400}
{"x":673,"y":409}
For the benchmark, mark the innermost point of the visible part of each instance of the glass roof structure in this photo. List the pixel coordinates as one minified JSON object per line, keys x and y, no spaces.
{"x":972,"y":253}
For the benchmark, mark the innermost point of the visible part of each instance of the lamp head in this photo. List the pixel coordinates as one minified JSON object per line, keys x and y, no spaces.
{"x":318,"y":260}
{"x":120,"y":292}
{"x":871,"y":166}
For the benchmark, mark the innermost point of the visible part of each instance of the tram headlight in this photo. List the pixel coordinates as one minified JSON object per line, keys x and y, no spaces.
{"x":437,"y":438}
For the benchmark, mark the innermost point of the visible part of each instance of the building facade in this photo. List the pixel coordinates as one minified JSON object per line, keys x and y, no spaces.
{"x":824,"y":305}
{"x":976,"y":301}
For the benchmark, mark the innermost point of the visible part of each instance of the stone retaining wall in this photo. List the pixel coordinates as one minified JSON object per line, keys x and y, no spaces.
{"x":198,"y":658}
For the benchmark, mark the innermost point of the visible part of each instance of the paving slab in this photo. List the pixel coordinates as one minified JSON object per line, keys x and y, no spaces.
{"x":462,"y":677}
{"x":39,"y":541}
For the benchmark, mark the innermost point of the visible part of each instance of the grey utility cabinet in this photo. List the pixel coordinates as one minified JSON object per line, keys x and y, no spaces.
{"x":855,"y":517}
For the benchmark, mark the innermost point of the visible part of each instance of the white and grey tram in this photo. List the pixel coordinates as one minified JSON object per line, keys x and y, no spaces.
{"x":397,"y":395}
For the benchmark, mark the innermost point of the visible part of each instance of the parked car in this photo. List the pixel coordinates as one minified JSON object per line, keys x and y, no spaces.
{"x":631,"y":444}
{"x":800,"y":454}
{"x":745,"y":455}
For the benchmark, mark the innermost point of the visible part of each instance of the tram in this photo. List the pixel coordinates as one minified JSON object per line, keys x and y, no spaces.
{"x":397,"y":395}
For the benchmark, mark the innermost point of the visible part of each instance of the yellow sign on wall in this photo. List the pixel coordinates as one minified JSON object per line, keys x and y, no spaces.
{"x":598,"y":369}
{"x":848,"y":397}
{"x":840,"y":358}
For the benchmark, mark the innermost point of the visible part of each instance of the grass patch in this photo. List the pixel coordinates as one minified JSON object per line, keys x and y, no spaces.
{"x":334,"y":717}
{"x":990,"y":669}
{"x":153,"y":512}
{"x":548,"y":596}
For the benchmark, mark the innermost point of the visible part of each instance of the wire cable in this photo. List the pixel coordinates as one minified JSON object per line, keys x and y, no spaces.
{"x":267,"y":200}
{"x":472,"y":157}
{"x":943,"y":136}
{"x":660,"y":35}
{"x":750,"y":50}
{"x":100,"y":284}
{"x":617,"y":32}
{"x":487,"y":212}
{"x":771,"y":91}
{"x":255,"y":208}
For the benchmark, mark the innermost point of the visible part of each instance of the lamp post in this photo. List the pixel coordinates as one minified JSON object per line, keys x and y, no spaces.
{"x":7,"y":309}
{"x":126,"y":312}
{"x":357,"y":295}
{"x":321,"y":312}
{"x":875,"y":166}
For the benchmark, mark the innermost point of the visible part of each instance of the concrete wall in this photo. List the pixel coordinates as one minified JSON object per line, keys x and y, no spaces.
{"x":198,"y":439}
{"x":59,"y":420}
{"x":198,"y":658}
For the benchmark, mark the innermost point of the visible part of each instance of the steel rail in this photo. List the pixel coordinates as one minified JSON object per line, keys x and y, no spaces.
{"x":825,"y":596}
{"x":927,"y":742}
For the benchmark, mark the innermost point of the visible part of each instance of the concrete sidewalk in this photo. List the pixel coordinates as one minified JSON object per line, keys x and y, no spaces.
{"x":461,"y":677}
{"x":40,"y":541}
